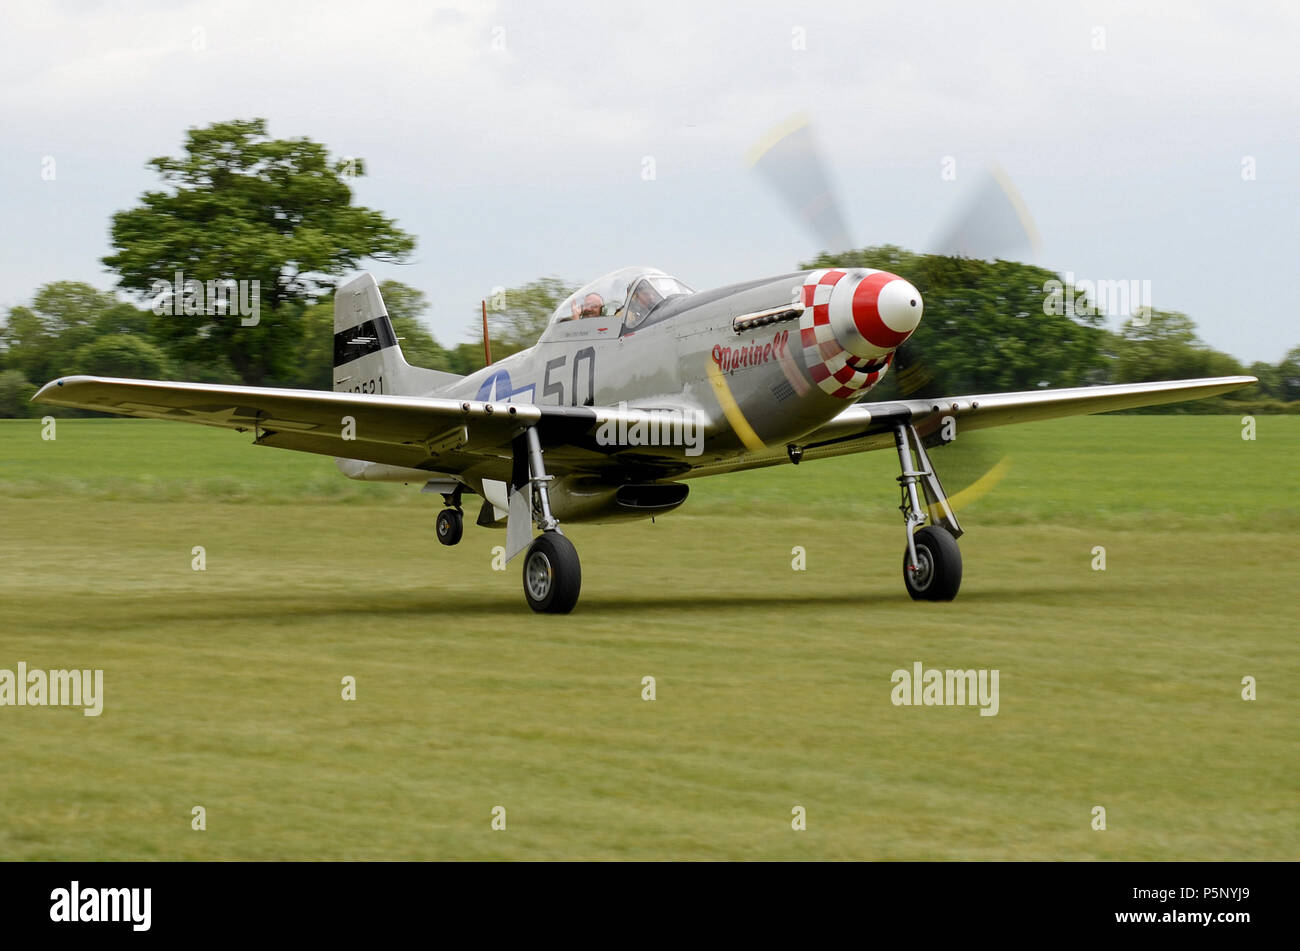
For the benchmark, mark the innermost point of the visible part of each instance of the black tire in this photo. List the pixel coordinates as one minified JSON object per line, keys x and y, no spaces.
{"x":451,"y":526}
{"x":552,"y":574}
{"x":938,"y":574}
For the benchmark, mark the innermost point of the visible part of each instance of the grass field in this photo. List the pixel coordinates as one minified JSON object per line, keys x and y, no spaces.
{"x":1119,"y":688}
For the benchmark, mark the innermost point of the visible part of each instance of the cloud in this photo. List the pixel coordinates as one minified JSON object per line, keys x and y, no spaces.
{"x":510,"y":136}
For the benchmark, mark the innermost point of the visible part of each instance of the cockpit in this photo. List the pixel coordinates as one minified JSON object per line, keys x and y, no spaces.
{"x":627,"y":296}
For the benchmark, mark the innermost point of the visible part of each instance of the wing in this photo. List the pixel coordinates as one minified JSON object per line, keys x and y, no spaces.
{"x":868,"y":426}
{"x":435,"y":434}
{"x":473,"y":438}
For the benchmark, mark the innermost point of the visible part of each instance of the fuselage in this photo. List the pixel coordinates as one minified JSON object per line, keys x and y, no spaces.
{"x":759,"y":363}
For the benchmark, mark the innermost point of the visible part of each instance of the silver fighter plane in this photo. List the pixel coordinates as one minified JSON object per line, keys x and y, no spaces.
{"x":639,"y":384}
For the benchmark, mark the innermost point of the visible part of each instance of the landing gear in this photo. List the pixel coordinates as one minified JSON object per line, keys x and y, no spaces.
{"x":451,"y":526}
{"x":937,"y":572}
{"x":552,"y":573}
{"x":451,"y":520}
{"x":932,"y":561}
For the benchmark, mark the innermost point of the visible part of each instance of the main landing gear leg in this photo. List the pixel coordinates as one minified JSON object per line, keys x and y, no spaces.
{"x":932,"y":561}
{"x":552,"y":574}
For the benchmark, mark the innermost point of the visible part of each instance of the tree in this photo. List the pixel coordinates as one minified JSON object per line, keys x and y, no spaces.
{"x":406,"y":306}
{"x":467,"y":357}
{"x":1270,"y":380}
{"x":1288,"y":376}
{"x":15,"y":395}
{"x":123,"y":355}
{"x":28,"y":343}
{"x":240,"y":206}
{"x":1163,"y":346}
{"x":316,"y":349}
{"x":988,"y":327}
{"x":124,"y":318}
{"x":518,"y":315}
{"x":45,"y":339}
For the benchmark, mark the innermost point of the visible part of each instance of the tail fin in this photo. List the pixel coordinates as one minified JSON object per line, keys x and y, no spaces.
{"x":367,"y":356}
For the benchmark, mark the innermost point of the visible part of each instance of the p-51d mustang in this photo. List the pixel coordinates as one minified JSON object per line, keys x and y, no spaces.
{"x":638,"y":383}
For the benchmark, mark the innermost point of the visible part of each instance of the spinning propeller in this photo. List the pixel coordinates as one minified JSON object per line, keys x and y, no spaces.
{"x":993,"y":222}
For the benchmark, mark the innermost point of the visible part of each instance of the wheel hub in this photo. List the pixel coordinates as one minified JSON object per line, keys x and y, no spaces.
{"x":924,"y":569}
{"x":538,"y":575}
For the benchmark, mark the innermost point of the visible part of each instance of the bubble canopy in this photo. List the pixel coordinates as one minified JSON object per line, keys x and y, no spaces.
{"x":628,"y":294}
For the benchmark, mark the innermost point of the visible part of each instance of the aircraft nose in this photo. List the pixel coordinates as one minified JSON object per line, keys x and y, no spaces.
{"x":852,"y":322}
{"x":900,"y":306}
{"x":886,"y":309}
{"x":873,"y":312}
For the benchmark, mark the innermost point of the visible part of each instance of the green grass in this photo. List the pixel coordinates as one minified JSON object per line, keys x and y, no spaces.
{"x":1118,"y":688}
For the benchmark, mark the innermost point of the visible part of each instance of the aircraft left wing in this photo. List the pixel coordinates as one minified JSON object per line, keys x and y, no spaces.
{"x":868,"y":426}
{"x":982,"y":411}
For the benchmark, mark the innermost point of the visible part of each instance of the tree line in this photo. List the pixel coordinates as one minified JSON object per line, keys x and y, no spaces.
{"x":70,"y":327}
{"x":268,"y":227}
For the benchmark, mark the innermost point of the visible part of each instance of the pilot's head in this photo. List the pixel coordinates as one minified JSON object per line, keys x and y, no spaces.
{"x":646,"y":296}
{"x":591,"y":305}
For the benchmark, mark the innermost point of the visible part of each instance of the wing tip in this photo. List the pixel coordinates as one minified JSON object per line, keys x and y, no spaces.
{"x":39,"y":395}
{"x":55,"y":384}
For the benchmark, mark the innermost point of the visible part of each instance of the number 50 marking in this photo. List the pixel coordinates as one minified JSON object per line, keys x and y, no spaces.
{"x":556,"y":387}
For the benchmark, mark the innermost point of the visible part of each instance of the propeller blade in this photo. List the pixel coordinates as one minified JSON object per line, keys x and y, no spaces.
{"x":789,"y":160}
{"x":992,"y":224}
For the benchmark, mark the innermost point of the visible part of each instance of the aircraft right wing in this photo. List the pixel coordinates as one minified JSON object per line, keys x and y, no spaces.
{"x":434,"y":434}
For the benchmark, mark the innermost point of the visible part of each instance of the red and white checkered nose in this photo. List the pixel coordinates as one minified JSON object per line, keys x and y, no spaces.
{"x":853,"y":320}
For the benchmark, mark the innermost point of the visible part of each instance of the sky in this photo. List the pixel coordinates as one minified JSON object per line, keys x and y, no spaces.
{"x":514,"y":140}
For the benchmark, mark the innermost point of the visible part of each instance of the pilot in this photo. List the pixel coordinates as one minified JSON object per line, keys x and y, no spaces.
{"x":592,"y":305}
{"x":644,"y":299}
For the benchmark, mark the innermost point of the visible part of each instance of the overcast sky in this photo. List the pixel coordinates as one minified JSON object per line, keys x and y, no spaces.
{"x":511,"y":138}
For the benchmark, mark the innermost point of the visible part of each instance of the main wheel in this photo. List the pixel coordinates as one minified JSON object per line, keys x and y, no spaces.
{"x":451,"y":525}
{"x":552,"y":575}
{"x":938,"y":566}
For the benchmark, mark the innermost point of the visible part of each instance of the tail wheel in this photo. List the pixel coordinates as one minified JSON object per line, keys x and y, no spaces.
{"x":552,"y":574}
{"x":937,"y":575}
{"x":451,"y":525}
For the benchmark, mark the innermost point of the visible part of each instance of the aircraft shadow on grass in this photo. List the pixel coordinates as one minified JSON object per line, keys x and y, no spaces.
{"x":442,"y":610}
